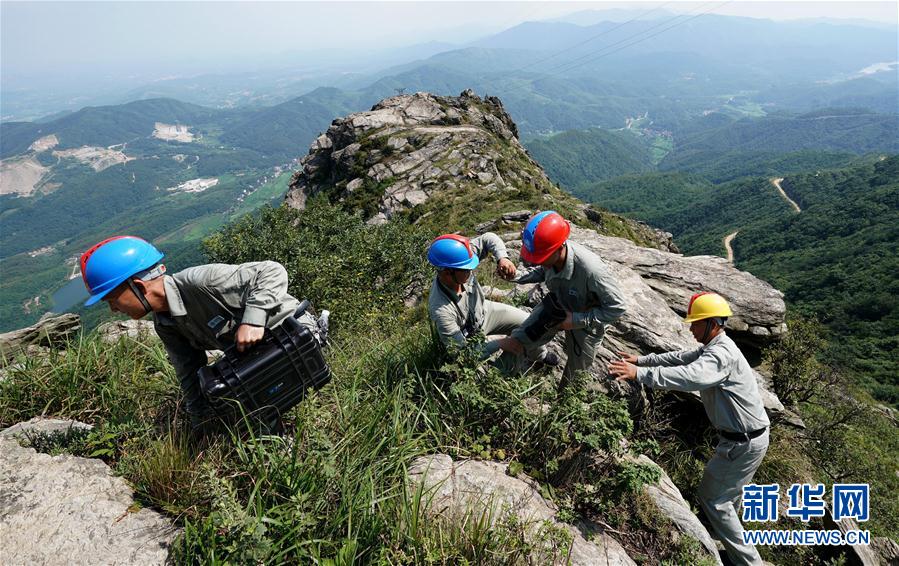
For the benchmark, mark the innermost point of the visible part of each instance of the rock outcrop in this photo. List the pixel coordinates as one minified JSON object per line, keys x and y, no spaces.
{"x":758,"y":307}
{"x":139,"y":330}
{"x":69,"y":510}
{"x":411,"y":149}
{"x":453,"y":489}
{"x":652,"y":323}
{"x":410,"y":146}
{"x":671,"y":505}
{"x":50,"y":330}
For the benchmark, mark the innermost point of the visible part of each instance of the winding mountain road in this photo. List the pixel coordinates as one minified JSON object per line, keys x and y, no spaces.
{"x":776,"y":183}
{"x":727,"y":240}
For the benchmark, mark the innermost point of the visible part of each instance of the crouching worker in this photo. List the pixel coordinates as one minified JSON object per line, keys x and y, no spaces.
{"x":208,"y":307}
{"x":583,"y":300}
{"x":458,"y":307}
{"x":730,"y":395}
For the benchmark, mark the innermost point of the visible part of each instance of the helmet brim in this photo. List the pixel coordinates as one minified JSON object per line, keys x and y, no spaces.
{"x":94,"y":299}
{"x":531,"y":257}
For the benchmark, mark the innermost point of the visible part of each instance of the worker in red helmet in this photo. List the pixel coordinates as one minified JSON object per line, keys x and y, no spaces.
{"x":584,"y":297}
{"x":460,"y":310}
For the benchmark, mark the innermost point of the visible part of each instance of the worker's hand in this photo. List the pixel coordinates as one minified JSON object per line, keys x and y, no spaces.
{"x":623,"y":371}
{"x":247,"y":335}
{"x":629,"y":358}
{"x":505,"y":269}
{"x":509,"y":344}
{"x":568,"y":323}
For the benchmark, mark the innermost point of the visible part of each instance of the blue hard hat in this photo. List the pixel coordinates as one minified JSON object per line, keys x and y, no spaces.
{"x":452,"y":251}
{"x":110,"y":263}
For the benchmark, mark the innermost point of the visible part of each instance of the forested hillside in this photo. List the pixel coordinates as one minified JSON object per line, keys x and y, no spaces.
{"x":571,"y":157}
{"x":835,"y":260}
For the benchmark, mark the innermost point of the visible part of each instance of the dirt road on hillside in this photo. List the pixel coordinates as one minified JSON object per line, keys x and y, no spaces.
{"x":776,"y":183}
{"x":727,"y":240}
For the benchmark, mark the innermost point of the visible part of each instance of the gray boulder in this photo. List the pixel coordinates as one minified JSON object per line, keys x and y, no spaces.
{"x":49,"y":330}
{"x":69,"y":510}
{"x":672,"y":505}
{"x":456,"y":489}
{"x":110,"y":332}
{"x":866,"y":555}
{"x":650,"y":324}
{"x":41,"y":425}
{"x":759,"y":308}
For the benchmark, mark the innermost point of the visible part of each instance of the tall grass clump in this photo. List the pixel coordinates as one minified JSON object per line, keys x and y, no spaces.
{"x":364,"y":274}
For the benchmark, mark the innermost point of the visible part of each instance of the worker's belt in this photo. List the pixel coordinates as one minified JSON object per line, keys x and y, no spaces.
{"x":742,"y":436}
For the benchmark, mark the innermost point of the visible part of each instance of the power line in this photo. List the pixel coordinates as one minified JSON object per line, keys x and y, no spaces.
{"x":598,"y":54}
{"x":588,"y":40}
{"x":577,"y":62}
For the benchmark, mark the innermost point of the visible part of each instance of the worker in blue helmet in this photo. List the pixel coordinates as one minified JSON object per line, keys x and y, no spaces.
{"x":207,"y":307}
{"x":457,"y":304}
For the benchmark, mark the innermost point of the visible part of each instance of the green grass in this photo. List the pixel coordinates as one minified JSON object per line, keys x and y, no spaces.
{"x":333,"y":489}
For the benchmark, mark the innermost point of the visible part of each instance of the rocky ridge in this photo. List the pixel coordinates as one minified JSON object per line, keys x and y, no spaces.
{"x":657,"y":286}
{"x":424,"y":156}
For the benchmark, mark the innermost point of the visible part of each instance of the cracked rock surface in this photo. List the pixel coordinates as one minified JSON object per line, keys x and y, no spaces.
{"x":69,"y":510}
{"x":452,"y":488}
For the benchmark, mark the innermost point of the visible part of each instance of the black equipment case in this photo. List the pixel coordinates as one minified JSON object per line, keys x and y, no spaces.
{"x":268,"y":379}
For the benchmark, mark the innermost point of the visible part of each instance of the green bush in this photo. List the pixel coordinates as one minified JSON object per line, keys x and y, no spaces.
{"x":363,"y":274}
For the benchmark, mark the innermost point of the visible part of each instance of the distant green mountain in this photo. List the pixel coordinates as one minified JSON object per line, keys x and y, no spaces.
{"x":718,"y":147}
{"x":852,"y":130}
{"x":155,"y":188}
{"x":285,"y":131}
{"x":571,"y":157}
{"x":876,"y":92}
{"x":836,"y":259}
{"x":104,"y":125}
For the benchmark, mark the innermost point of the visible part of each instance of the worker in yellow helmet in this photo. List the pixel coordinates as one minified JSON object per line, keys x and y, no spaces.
{"x":730,"y":395}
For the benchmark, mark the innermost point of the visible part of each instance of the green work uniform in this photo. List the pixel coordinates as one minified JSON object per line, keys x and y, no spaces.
{"x":730,"y":395}
{"x":207,"y":303}
{"x":587,"y":289}
{"x":459,"y":316}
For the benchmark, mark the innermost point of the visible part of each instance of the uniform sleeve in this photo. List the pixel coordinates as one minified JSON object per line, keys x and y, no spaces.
{"x":448,"y":328}
{"x":680,"y":358}
{"x":265,"y":288}
{"x":489,"y":243}
{"x":185,"y":359}
{"x":451,"y":334}
{"x":708,"y":370}
{"x":532,"y":275}
{"x":520,"y":334}
{"x":611,"y":302}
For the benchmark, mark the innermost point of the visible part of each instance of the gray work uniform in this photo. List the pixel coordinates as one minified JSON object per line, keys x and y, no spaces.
{"x":458,"y":316}
{"x":730,"y":395}
{"x":587,"y":289}
{"x":208,"y":303}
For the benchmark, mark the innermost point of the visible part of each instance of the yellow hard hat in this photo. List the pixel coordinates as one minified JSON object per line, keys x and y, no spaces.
{"x":707,"y":305}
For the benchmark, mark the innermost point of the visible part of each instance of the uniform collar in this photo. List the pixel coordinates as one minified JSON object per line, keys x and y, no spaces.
{"x":450,"y":293}
{"x":567,"y":269}
{"x":173,"y":297}
{"x":715,"y":340}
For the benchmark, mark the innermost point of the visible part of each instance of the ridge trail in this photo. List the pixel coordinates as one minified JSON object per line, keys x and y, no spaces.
{"x":776,"y":182}
{"x":727,"y":240}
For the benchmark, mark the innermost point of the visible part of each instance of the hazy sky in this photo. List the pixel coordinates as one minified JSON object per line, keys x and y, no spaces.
{"x":73,"y":35}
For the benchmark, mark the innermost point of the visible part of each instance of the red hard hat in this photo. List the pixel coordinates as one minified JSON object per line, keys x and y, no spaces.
{"x":543,"y":235}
